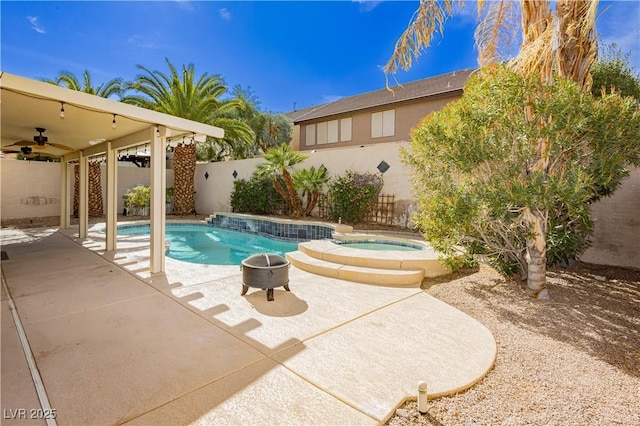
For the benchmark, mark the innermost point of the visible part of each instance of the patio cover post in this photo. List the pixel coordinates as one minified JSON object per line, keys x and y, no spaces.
{"x":158,"y":197}
{"x":112,"y":198}
{"x":83,"y":202}
{"x":64,"y":194}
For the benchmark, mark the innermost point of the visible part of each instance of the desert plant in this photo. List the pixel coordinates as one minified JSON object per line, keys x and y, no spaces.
{"x":476,"y":175}
{"x":278,"y":167}
{"x":310,"y":182}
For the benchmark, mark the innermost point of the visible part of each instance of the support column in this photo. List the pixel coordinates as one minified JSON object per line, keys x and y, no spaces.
{"x":64,"y":195}
{"x":158,"y":198}
{"x":112,"y":198}
{"x":83,"y":201}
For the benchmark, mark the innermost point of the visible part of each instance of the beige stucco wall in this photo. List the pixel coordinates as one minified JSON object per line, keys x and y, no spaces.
{"x":213,"y":193}
{"x":32,"y":188}
{"x":616,"y":236}
{"x":29,"y":189}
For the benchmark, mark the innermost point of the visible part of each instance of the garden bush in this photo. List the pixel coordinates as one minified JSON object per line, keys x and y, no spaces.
{"x":255,"y":195}
{"x":137,"y":200}
{"x":353,"y":195}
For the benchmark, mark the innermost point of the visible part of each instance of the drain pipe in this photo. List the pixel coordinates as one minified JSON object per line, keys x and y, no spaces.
{"x":46,"y":413}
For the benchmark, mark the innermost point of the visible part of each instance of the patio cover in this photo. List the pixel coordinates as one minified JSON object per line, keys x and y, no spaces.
{"x":87,"y":127}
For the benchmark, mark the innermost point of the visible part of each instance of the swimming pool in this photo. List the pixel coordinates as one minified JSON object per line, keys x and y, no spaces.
{"x":207,"y":245}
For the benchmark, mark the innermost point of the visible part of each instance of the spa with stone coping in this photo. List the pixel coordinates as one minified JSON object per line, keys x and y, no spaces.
{"x":319,"y":252}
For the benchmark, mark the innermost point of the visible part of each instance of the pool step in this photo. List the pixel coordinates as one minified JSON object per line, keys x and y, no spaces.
{"x":426,"y":260}
{"x":367,"y":275}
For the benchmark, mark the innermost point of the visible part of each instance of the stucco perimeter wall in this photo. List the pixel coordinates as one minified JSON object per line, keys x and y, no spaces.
{"x":616,"y":236}
{"x":29,"y":189}
{"x":129,"y":177}
{"x":32,"y":188}
{"x":213,"y":194}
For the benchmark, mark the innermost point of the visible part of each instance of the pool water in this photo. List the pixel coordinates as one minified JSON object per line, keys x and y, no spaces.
{"x":380,"y":246}
{"x":213,"y":246}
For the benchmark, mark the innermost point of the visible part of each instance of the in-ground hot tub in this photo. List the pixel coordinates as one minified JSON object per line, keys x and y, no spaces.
{"x":265,"y":271}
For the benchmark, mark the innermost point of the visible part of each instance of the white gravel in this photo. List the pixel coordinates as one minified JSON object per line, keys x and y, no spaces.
{"x":572,"y":360}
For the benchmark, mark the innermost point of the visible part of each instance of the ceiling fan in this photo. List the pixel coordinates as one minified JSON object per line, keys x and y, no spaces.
{"x":27,"y":153}
{"x":40,"y":142}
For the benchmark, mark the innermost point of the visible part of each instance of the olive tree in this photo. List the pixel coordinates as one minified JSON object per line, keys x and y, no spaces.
{"x":475,"y":171}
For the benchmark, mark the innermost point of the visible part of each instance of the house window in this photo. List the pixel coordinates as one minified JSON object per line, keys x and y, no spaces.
{"x":310,"y":134}
{"x":345,"y":129}
{"x":322,"y":133}
{"x":328,"y":132}
{"x":332,"y":131}
{"x":383,"y":123}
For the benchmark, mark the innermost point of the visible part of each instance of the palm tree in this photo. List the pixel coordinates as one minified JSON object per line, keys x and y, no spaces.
{"x":182,"y":94}
{"x":562,"y":42}
{"x":70,"y":81}
{"x":105,"y":90}
{"x":271,"y":130}
{"x":310,"y":181}
{"x":279,"y":165}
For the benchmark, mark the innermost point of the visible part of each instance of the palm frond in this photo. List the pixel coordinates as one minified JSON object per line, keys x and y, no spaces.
{"x":496,"y":30}
{"x":428,"y":20}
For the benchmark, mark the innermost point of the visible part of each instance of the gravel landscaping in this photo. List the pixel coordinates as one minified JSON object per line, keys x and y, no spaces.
{"x":571,"y":360}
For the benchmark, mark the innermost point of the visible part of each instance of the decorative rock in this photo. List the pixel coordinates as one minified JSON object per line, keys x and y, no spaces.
{"x":402,"y":412}
{"x":543,"y":295}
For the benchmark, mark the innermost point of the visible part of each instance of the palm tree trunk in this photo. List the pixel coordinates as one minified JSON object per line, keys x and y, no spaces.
{"x":311,"y":202}
{"x":294,"y":200}
{"x":96,"y":206}
{"x":537,"y":253}
{"x":76,"y":190}
{"x":280,"y":189}
{"x":184,"y":168}
{"x":577,"y":43}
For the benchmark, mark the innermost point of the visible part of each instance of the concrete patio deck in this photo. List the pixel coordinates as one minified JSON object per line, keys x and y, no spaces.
{"x":115,"y":345}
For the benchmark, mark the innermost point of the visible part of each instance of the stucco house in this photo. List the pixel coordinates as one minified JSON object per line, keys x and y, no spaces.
{"x":375,"y":117}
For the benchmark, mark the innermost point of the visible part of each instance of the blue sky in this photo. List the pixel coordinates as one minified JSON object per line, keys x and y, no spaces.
{"x":287,"y":52}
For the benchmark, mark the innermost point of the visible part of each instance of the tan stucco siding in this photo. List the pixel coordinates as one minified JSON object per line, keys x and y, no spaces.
{"x":407,"y":116}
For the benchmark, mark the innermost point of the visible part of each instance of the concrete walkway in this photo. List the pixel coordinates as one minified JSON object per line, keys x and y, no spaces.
{"x":115,"y":345}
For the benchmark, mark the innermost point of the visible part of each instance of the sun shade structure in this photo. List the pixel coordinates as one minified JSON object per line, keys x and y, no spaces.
{"x":79,"y":126}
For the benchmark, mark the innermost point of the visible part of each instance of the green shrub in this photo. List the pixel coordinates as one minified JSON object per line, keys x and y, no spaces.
{"x":255,"y":195}
{"x":353,"y":195}
{"x":137,"y":200}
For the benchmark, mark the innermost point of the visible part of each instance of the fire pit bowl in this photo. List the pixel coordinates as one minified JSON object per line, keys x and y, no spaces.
{"x":265,"y":271}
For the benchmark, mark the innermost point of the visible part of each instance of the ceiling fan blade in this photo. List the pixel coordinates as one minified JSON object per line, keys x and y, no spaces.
{"x":60,"y":146}
{"x":23,"y":143}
